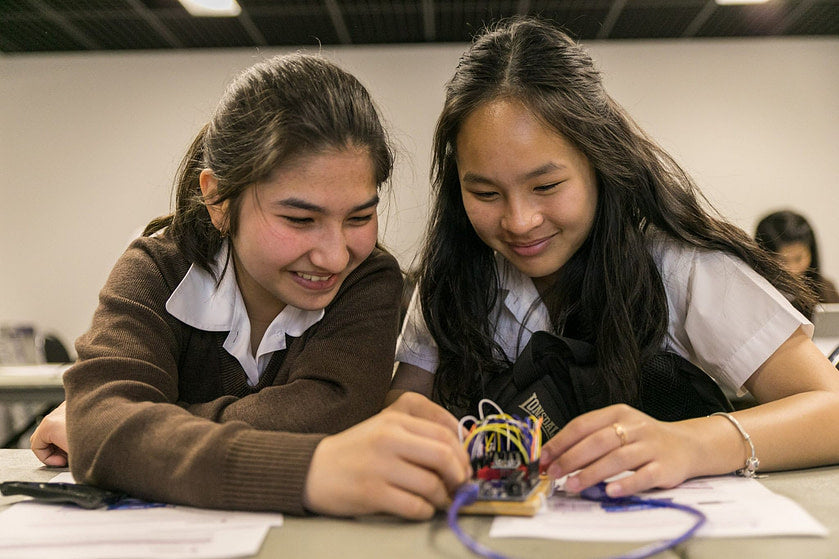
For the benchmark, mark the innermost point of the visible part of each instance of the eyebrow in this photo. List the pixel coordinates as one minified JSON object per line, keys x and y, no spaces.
{"x":300,"y":204}
{"x":537,"y":172}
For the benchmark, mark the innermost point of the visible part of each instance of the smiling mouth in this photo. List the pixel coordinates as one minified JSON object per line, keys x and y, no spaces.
{"x":530,"y":248}
{"x":313,"y":277}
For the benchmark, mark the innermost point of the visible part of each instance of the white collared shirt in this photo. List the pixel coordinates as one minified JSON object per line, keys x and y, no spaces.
{"x":722,"y":315}
{"x":520,"y":305}
{"x":200,"y":303}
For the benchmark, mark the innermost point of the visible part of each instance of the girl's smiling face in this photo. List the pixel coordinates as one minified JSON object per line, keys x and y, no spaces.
{"x":528,"y":192}
{"x":303,"y":231}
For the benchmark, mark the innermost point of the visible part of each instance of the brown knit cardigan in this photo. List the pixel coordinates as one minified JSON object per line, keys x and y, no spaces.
{"x":160,"y":410}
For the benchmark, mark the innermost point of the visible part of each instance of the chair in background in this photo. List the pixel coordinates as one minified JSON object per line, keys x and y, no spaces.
{"x":23,"y":346}
{"x":54,"y":350}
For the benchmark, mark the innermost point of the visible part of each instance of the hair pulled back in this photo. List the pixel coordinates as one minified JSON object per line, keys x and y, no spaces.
{"x":285,"y":107}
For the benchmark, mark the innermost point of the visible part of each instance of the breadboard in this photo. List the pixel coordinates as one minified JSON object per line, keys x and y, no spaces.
{"x":526,"y":507}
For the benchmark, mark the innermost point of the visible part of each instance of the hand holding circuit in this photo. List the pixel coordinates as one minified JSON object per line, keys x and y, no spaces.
{"x":606,"y":442}
{"x":407,"y":460}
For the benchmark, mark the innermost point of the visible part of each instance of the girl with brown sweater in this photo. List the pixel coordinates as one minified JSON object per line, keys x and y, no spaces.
{"x":238,"y":333}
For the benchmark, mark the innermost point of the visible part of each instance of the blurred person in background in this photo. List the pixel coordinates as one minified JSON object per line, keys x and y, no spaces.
{"x":790,"y":236}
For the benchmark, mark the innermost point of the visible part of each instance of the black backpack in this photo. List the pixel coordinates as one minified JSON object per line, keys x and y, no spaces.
{"x":556,"y":379}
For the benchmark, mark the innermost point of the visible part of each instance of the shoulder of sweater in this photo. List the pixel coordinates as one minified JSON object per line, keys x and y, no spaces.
{"x":380,"y":269}
{"x":159,"y":252}
{"x":379,"y":262}
{"x":380,"y":257}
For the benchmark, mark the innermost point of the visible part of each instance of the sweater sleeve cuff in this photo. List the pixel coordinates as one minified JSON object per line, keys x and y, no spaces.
{"x":267,"y":470}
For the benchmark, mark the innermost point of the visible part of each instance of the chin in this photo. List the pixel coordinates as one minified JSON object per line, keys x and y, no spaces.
{"x":533,"y":269}
{"x":313,"y":303}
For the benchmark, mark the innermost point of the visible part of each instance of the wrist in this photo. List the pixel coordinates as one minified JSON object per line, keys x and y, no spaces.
{"x":313,"y":484}
{"x":718,"y":447}
{"x":751,"y":463}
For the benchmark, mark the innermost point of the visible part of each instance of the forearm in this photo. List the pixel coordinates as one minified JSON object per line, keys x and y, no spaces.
{"x":410,"y":378}
{"x":158,"y":452}
{"x":303,"y":406}
{"x":798,"y":431}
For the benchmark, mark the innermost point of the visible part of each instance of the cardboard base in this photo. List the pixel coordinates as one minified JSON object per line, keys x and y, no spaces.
{"x":527,"y":507}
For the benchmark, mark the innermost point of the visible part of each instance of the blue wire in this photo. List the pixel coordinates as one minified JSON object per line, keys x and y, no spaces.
{"x":598,"y":493}
{"x":468,"y":494}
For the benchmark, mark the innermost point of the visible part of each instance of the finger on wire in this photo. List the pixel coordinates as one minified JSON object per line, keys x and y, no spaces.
{"x":448,"y":461}
{"x":643,"y":478}
{"x":599,"y":444}
{"x":600,"y":424}
{"x":609,"y":466}
{"x":582,"y":427}
{"x":436,"y":448}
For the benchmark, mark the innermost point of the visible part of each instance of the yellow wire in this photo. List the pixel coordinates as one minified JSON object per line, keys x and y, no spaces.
{"x":501,"y":430}
{"x":511,"y":431}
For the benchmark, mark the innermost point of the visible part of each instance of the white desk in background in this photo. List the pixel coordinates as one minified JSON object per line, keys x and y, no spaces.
{"x":827,"y":345}
{"x":32,"y":383}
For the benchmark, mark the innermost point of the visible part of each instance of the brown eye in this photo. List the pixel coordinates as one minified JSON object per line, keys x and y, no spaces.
{"x":546,"y":187}
{"x":361,"y":219}
{"x":297,"y":220}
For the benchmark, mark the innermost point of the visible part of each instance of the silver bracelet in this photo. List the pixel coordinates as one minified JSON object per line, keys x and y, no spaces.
{"x":752,"y":463}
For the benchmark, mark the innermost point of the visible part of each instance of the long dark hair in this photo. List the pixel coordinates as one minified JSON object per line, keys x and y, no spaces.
{"x":274,"y":111}
{"x":610,"y":292}
{"x":784,"y":227}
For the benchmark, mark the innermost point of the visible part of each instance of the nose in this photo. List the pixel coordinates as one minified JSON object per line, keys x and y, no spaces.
{"x":521,"y":216}
{"x":331,"y":253}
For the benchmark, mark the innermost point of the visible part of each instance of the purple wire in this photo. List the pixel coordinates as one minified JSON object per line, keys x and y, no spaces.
{"x":657,"y":547}
{"x":652,"y":549}
{"x":468,"y":494}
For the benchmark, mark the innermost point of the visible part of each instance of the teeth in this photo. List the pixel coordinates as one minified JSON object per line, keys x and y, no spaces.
{"x":310,"y":277}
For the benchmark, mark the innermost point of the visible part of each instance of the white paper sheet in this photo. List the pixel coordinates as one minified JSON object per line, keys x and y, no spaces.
{"x":31,"y":530}
{"x":734,"y":507}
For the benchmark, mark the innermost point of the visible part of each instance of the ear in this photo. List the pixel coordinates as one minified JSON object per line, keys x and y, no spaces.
{"x":209,"y":190}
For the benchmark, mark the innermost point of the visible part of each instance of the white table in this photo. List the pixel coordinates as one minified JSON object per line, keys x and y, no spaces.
{"x":817,"y":490}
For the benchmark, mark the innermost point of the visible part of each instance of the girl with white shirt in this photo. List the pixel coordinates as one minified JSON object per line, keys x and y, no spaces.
{"x":554,"y":211}
{"x":239,"y":341}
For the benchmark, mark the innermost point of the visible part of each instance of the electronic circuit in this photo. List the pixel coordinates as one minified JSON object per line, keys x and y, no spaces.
{"x":504,"y":452}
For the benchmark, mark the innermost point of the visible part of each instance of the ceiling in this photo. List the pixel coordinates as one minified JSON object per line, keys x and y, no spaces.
{"x":28,"y":26}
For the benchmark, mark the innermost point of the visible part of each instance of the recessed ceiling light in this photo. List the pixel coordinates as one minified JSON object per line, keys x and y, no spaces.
{"x":212,"y":8}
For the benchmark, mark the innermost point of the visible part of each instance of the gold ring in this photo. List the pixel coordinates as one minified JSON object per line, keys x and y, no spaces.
{"x":620,"y":432}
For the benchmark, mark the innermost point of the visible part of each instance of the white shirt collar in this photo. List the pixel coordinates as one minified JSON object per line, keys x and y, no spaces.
{"x":521,"y":297}
{"x":200,"y":303}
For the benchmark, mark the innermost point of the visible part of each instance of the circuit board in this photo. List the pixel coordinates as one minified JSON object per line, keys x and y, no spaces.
{"x":503,"y":477}
{"x":504,"y":452}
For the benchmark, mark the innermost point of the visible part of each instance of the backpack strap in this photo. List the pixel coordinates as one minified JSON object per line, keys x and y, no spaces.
{"x":556,"y":378}
{"x":553,"y":378}
{"x":672,"y":388}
